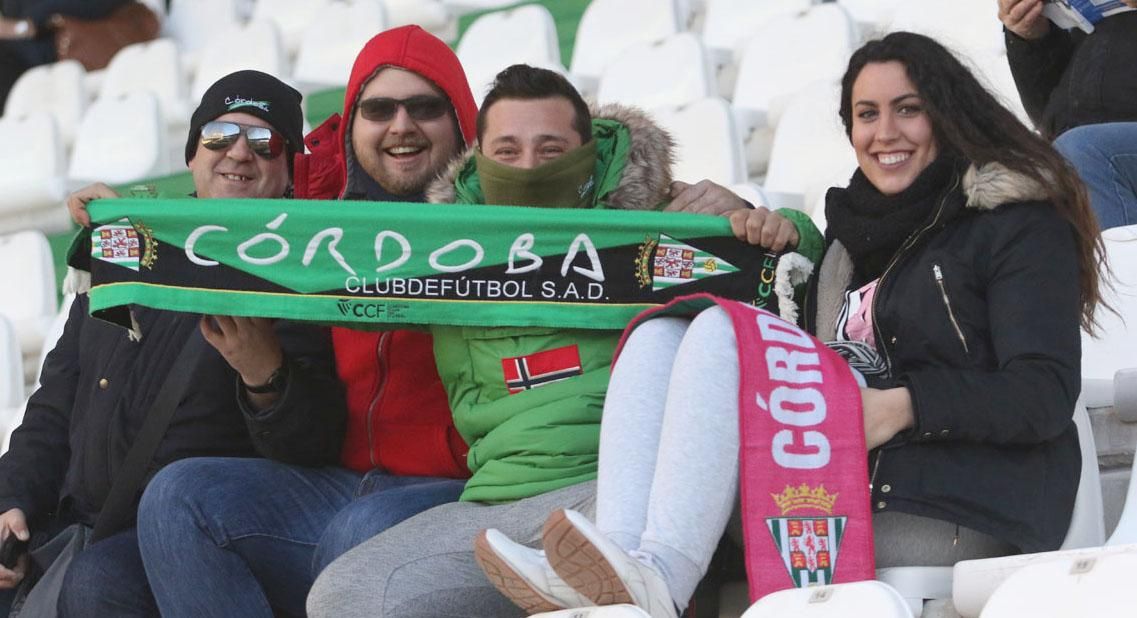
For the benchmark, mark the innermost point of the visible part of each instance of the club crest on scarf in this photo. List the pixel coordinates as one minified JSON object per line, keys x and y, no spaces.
{"x":125,"y":244}
{"x":808,"y":543}
{"x":666,"y":262}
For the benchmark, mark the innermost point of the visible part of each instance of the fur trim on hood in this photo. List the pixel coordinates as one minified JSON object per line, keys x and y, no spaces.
{"x":644,"y":182}
{"x":993,"y":184}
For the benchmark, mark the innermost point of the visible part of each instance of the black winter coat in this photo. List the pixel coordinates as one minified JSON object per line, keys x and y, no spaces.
{"x":978,"y":315}
{"x":96,"y":387}
{"x":1068,"y":79}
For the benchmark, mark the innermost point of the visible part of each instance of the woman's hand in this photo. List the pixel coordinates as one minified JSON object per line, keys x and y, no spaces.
{"x":887,"y":412}
{"x":759,"y":226}
{"x":1024,"y":18}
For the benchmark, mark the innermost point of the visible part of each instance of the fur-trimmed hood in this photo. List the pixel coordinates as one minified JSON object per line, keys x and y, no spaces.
{"x":992,"y":184}
{"x":644,"y":181}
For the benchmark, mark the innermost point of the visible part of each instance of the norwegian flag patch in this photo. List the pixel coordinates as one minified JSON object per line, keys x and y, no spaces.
{"x":524,"y":373}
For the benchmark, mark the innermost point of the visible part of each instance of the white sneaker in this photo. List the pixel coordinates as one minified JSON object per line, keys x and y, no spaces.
{"x":599,"y":569}
{"x":524,"y":575}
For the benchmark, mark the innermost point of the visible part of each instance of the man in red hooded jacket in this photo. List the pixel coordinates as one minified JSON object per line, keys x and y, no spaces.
{"x":247,"y":537}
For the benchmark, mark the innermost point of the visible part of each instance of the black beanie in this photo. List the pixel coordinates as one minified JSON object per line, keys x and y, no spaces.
{"x":256,"y":93}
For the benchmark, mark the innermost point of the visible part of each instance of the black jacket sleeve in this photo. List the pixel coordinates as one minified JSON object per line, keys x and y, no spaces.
{"x":33,"y":469}
{"x":1033,"y":304}
{"x":306,"y":425}
{"x":1037,"y":67}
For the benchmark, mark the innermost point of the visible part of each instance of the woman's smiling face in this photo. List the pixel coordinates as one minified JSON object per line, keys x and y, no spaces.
{"x":891,"y":130}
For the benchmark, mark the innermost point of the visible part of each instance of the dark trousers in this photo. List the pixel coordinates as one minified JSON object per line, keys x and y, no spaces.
{"x":107,"y":579}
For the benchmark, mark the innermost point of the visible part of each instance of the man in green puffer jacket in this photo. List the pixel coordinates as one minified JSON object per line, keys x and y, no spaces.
{"x":527,"y":400}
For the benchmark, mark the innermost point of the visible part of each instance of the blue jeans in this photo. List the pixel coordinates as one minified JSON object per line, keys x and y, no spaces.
{"x":107,"y":579}
{"x":1105,"y":156}
{"x":242,"y":537}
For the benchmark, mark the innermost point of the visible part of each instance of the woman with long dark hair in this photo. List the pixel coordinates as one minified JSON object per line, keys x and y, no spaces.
{"x":961,"y":262}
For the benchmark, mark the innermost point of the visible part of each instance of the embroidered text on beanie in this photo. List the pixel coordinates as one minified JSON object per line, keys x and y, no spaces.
{"x":255,"y":93}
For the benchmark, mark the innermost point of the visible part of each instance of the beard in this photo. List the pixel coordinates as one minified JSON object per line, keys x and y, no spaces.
{"x":395,"y":180}
{"x":402,"y":183}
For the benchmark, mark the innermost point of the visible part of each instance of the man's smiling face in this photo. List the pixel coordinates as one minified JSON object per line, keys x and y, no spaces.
{"x":401,"y":153}
{"x":236,"y":171}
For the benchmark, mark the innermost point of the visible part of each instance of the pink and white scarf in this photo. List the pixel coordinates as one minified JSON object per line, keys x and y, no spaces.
{"x":803,"y":464}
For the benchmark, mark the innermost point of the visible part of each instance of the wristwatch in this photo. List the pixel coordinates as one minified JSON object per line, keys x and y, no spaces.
{"x":277,"y":382}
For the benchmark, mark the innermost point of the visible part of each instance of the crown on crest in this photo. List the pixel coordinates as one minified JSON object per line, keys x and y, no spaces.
{"x":805,"y":497}
{"x":644,"y":261}
{"x":149,"y":247}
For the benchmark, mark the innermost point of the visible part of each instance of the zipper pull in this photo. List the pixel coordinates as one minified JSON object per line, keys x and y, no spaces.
{"x":939,"y":274}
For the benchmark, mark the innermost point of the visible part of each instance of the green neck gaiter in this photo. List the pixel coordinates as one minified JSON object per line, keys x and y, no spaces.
{"x":564,"y":182}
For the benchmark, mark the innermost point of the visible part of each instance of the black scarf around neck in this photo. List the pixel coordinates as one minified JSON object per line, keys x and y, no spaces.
{"x":872,"y":225}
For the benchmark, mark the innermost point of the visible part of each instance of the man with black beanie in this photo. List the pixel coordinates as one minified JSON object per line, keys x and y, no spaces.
{"x":99,"y":383}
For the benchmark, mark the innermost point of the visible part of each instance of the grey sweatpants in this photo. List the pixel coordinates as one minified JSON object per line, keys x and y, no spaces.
{"x":424,"y":566}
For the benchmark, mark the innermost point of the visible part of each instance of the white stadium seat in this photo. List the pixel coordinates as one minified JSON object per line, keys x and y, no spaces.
{"x":810,"y":47}
{"x":673,"y":71}
{"x":1126,"y":531}
{"x":976,"y":580}
{"x":871,"y":15}
{"x":11,"y":366}
{"x":193,"y":24}
{"x":971,"y":582}
{"x":121,"y":140}
{"x":432,"y":15}
{"x":1099,"y":584}
{"x":809,"y":130}
{"x":706,"y":142}
{"x":58,"y":88}
{"x":154,"y":67}
{"x":291,"y":17}
{"x":329,"y":44}
{"x":608,"y":27}
{"x":525,"y":35}
{"x":10,"y":419}
{"x":12,"y":374}
{"x":864,"y":598}
{"x":752,"y":193}
{"x":1114,"y":348}
{"x":730,"y":24}
{"x":32,"y":186}
{"x":461,"y":7}
{"x":970,"y":27}
{"x":260,"y":49}
{"x":29,"y":286}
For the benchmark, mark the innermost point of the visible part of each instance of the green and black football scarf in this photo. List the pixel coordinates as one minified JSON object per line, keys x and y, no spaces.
{"x":361,"y":263}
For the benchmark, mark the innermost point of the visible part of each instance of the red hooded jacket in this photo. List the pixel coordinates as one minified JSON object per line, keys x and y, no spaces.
{"x":398,"y":415}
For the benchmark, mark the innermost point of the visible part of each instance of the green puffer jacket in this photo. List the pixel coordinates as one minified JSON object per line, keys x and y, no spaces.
{"x":540,"y":439}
